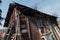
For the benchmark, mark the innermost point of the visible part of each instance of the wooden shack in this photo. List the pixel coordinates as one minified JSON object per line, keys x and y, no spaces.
{"x":25,"y":23}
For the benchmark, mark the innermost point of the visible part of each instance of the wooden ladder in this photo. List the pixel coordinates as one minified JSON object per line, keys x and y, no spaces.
{"x":25,"y":31}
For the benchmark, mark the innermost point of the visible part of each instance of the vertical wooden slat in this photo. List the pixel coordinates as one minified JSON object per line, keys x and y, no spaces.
{"x":17,"y":24}
{"x":28,"y":28}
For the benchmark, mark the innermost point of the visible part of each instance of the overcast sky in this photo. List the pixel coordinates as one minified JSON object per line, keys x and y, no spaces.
{"x":51,"y":7}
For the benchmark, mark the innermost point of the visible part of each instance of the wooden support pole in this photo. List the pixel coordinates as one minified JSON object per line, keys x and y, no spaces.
{"x":17,"y":13}
{"x":28,"y":28}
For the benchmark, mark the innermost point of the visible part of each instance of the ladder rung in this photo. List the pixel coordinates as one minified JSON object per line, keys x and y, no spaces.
{"x":24,"y":31}
{"x":23,"y":26}
{"x":23,"y":19}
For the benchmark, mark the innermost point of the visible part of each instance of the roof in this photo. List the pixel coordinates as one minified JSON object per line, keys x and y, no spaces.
{"x":23,"y":9}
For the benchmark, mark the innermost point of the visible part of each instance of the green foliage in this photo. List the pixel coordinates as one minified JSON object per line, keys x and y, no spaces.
{"x":0,"y":1}
{"x":0,"y":13}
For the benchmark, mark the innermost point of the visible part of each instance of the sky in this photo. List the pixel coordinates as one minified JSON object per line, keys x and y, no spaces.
{"x":51,"y":7}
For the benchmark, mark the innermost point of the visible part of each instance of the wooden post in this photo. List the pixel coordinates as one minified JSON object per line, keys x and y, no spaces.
{"x":28,"y":28}
{"x":17,"y":24}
